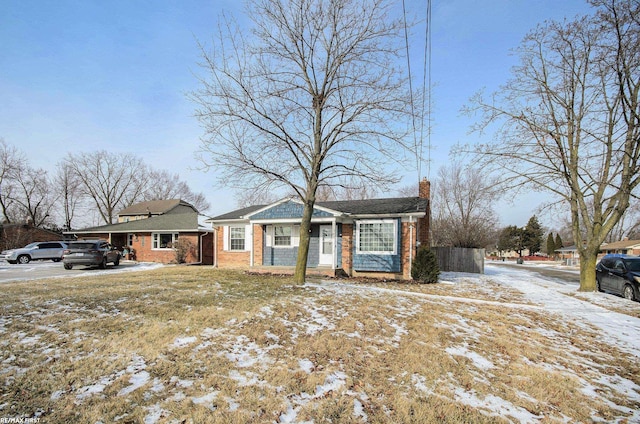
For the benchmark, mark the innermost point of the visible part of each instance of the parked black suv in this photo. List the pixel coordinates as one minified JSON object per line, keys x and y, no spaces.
{"x":90,"y":252}
{"x":619,"y":274}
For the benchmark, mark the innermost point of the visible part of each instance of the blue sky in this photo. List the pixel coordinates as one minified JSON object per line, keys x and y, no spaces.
{"x":82,"y":76}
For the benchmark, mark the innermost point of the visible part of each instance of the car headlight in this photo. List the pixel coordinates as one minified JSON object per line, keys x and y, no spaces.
{"x":637,"y":278}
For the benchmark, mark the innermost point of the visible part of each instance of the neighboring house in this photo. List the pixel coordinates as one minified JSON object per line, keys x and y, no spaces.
{"x":569,"y":255}
{"x":375,"y":237}
{"x":628,"y":247}
{"x":13,"y":236}
{"x":152,"y":229}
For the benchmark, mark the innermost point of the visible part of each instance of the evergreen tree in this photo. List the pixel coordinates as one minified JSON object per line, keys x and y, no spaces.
{"x":551,"y":245}
{"x":511,"y":238}
{"x":425,"y":267}
{"x":558,"y":243}
{"x":533,"y":235}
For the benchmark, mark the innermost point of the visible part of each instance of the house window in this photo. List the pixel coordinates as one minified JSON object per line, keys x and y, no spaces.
{"x":376,"y":237}
{"x":282,"y":235}
{"x":164,"y":240}
{"x":236,"y":238}
{"x":130,"y":239}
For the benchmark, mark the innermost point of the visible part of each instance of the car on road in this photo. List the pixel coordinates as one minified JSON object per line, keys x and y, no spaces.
{"x":44,"y":250}
{"x":90,"y":253}
{"x":619,"y":274}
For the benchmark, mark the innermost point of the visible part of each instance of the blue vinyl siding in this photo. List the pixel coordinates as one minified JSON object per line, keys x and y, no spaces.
{"x":287,"y":256}
{"x":287,"y":210}
{"x":381,"y":263}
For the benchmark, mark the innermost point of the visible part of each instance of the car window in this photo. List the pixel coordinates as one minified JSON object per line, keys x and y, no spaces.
{"x":50,"y":246}
{"x":619,"y":265}
{"x":31,"y":245}
{"x":81,"y":245}
{"x":633,"y":265}
{"x":607,"y":262}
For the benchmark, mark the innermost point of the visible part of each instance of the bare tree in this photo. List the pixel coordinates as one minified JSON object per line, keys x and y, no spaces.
{"x":33,"y":196}
{"x":462,"y":207}
{"x":112,"y":181}
{"x":164,"y":185}
{"x":571,"y":123}
{"x":315,"y":98}
{"x":11,"y":163}
{"x":628,"y":226}
{"x":70,"y":196}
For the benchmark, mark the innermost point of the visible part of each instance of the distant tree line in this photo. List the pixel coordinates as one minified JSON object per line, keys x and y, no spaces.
{"x":519,"y":239}
{"x":100,"y":182}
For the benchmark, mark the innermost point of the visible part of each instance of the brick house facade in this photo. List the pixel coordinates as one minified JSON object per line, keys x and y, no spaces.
{"x":373,"y":237}
{"x":155,"y":230}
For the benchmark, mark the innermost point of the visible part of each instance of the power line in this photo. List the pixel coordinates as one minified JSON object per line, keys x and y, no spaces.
{"x":426,"y":90}
{"x":426,"y":93}
{"x":413,"y":115}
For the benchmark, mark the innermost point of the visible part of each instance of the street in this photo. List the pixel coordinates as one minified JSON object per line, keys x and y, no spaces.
{"x":563,"y":276}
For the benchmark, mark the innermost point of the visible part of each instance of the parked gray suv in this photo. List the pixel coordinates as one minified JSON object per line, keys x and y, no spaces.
{"x":42,"y":250}
{"x":90,"y":253}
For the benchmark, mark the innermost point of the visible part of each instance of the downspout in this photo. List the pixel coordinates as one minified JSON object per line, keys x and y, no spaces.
{"x":334,"y":245}
{"x":201,"y":243}
{"x":411,"y":243}
{"x":251,"y":249}
{"x":215,"y":246}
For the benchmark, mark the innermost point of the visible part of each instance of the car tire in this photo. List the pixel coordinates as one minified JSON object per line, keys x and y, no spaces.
{"x":627,"y":292}
{"x":68,"y":266}
{"x":56,"y":259}
{"x":103,"y":264}
{"x":24,"y":259}
{"x":117,"y":261}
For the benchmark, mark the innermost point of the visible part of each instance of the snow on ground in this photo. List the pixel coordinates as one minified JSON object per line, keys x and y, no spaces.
{"x":250,"y":358}
{"x":618,"y":329}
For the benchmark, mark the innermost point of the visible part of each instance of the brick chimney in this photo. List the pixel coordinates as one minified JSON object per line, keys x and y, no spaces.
{"x":424,"y":189}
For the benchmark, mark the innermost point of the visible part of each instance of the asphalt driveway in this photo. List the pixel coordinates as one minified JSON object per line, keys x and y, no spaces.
{"x":47,"y":269}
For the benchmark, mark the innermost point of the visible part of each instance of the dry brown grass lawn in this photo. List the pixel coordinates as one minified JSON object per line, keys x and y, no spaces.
{"x":198,"y":345}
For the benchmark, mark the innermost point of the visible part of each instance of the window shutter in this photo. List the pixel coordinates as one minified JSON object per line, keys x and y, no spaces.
{"x":225,"y":237}
{"x":269,"y":235}
{"x":248,"y":239}
{"x":295,"y":236}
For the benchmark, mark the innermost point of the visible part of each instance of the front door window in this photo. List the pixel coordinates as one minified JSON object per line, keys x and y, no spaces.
{"x":326,"y":245}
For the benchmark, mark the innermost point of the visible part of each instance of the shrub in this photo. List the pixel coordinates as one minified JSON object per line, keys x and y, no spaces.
{"x":425,"y":268}
{"x":183,"y":247}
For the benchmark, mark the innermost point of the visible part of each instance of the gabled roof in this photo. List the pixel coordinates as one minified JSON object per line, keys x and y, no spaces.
{"x":238,"y":213}
{"x":368,"y":207}
{"x":154,"y":207}
{"x":175,"y":220}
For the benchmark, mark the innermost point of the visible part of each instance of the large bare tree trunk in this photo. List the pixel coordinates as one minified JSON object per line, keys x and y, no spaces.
{"x":303,"y":250}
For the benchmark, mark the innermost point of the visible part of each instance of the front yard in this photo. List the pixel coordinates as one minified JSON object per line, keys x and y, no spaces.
{"x":198,"y":345}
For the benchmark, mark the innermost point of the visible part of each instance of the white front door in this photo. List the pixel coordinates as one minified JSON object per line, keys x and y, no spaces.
{"x":326,"y":245}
